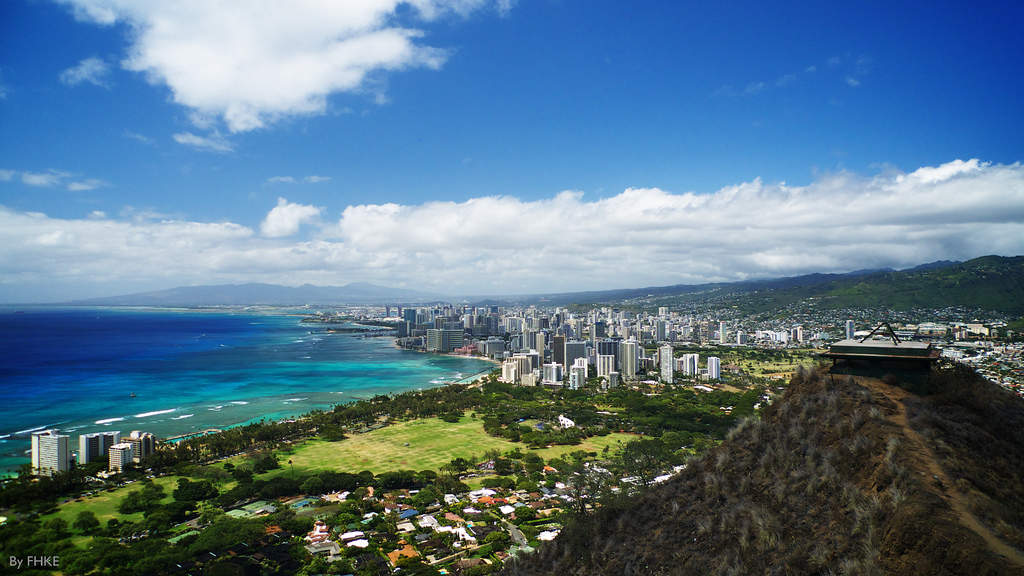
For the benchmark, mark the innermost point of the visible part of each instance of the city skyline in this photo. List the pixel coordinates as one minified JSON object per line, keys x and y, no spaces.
{"x":484,"y":146}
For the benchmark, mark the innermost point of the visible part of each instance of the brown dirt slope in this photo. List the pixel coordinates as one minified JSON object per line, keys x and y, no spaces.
{"x":843,"y":475}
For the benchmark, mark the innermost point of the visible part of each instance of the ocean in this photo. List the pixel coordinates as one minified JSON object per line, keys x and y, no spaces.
{"x":75,"y":369}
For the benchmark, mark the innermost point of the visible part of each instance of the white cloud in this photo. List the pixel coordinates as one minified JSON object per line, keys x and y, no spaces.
{"x":853,"y":82}
{"x":505,"y":7}
{"x":52,"y":178}
{"x":139,"y":137}
{"x":500,"y":244}
{"x":44,"y":179}
{"x":280,"y":180}
{"x":754,"y":88}
{"x":785,"y":80}
{"x":252,"y":63}
{"x":87,"y":184}
{"x":316,"y":179}
{"x":285,"y":218}
{"x":211,"y":143}
{"x":92,"y":70}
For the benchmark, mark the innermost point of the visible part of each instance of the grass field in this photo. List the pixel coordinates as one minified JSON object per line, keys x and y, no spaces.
{"x":104,"y":505}
{"x":431,"y":444}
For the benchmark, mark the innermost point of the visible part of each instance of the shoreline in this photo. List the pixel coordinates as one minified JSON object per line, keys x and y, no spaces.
{"x":394,"y":342}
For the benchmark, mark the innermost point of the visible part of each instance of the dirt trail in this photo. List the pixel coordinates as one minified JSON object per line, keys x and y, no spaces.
{"x":918,"y":446}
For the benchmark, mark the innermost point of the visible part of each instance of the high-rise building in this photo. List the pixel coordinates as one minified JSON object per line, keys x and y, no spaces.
{"x":577,"y":377}
{"x":558,"y":349}
{"x":690,"y":363}
{"x":614,"y":380}
{"x":797,"y":334}
{"x":661,"y":331}
{"x":849,"y":330}
{"x":629,"y":359}
{"x":605,"y":364}
{"x":662,"y":311}
{"x":510,"y":371}
{"x":582,"y":363}
{"x":552,"y":373}
{"x":95,"y":446}
{"x":121,"y":455}
{"x":143,"y":444}
{"x":714,"y":368}
{"x":409,"y":315}
{"x":721,"y":332}
{"x":574,"y":349}
{"x":667,"y":363}
{"x":50,"y":453}
{"x":444,"y":340}
{"x":540,"y":343}
{"x":609,"y":348}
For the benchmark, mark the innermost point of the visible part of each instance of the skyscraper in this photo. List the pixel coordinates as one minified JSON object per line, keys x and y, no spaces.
{"x":121,"y":455}
{"x":849,"y":330}
{"x":690,"y":363}
{"x":95,"y":446}
{"x":661,"y":331}
{"x":143,"y":444}
{"x":575,"y":349}
{"x":629,"y":359}
{"x":558,"y":349}
{"x":552,"y":373}
{"x":609,"y":348}
{"x":667,"y":363}
{"x":721,"y":332}
{"x":50,"y":453}
{"x":714,"y":368}
{"x":444,"y":340}
{"x":577,"y":377}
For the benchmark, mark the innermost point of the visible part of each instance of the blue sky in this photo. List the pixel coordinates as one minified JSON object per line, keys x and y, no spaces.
{"x":125,"y":135}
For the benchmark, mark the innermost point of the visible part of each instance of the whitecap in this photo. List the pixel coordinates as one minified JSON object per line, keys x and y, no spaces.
{"x":217,"y":408}
{"x":148,"y":414}
{"x":19,"y":432}
{"x":109,"y":420}
{"x":183,"y":416}
{"x":5,"y":436}
{"x":239,"y":402}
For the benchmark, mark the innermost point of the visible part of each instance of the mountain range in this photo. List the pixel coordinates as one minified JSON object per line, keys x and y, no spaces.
{"x":265,"y":294}
{"x":993,"y":283}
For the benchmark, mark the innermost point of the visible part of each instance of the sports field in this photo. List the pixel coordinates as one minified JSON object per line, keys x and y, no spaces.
{"x":419,"y":444}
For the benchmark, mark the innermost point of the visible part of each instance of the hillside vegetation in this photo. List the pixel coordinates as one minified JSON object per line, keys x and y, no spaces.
{"x":842,"y":475}
{"x":992,"y":283}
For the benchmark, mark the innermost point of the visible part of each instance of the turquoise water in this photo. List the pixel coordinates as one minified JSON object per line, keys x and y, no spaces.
{"x":75,"y":369}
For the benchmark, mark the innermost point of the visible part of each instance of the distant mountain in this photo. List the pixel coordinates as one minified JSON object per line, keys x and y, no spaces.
{"x":839,"y":476}
{"x":265,"y":294}
{"x":990,"y":282}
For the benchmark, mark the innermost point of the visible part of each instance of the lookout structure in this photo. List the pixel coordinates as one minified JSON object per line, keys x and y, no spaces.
{"x":872,"y":351}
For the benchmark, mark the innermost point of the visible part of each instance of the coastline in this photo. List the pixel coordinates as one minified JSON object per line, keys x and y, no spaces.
{"x":193,"y":372}
{"x":394,"y":342}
